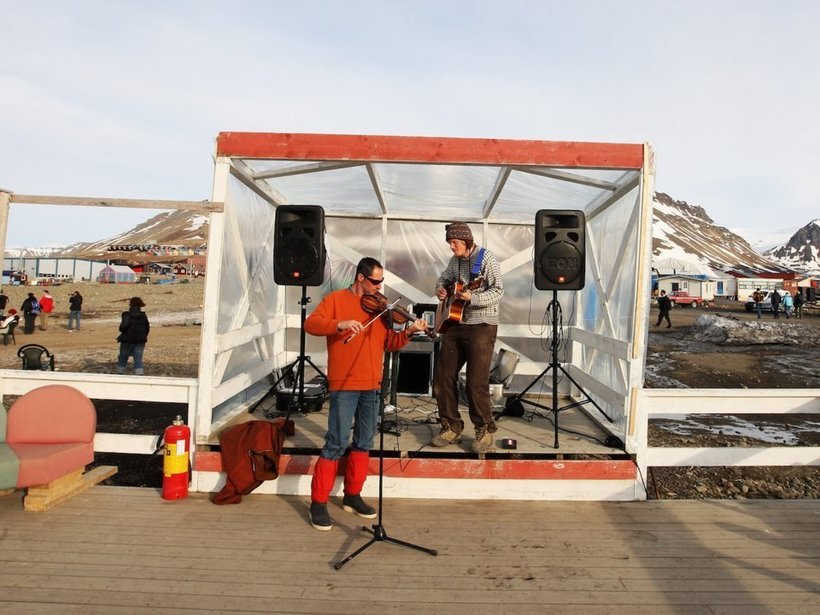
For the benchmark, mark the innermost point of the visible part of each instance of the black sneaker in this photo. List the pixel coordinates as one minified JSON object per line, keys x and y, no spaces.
{"x":355,"y":504}
{"x":319,"y":517}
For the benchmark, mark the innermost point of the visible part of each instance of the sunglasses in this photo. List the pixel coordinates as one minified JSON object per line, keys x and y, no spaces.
{"x":374,"y":281}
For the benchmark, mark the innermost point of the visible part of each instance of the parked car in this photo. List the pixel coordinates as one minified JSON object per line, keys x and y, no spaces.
{"x":681,"y":297}
{"x":765,"y":305}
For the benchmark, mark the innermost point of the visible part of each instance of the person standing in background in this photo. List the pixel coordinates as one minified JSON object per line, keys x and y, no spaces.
{"x":75,"y":304}
{"x":46,"y":307}
{"x":788,"y":304}
{"x":757,"y":297}
{"x":134,"y":329}
{"x":4,"y":299}
{"x":776,"y":303}
{"x":798,"y":304}
{"x":30,"y":309}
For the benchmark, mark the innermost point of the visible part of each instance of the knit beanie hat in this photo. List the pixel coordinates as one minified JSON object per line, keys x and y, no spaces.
{"x":458,"y":230}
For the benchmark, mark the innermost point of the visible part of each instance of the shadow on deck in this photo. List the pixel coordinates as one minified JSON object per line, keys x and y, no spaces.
{"x":125,"y":550}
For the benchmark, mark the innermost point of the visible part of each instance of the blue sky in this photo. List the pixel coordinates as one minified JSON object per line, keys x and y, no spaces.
{"x":125,"y":99}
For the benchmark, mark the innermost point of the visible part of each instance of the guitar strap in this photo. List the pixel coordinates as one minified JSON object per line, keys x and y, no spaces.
{"x":476,"y":268}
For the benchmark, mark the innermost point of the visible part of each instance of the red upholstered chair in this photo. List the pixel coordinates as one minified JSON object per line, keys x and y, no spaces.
{"x":51,"y":430}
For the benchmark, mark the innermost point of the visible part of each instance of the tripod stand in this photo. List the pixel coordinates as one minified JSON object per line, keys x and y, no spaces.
{"x":298,"y":365}
{"x":377,"y":530}
{"x":554,"y":306}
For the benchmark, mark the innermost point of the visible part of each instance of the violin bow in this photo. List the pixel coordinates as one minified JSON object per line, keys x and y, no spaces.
{"x":370,"y":321}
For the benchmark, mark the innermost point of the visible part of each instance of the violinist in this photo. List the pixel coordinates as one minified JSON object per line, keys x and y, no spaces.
{"x":356,"y":342}
{"x":469,"y":341}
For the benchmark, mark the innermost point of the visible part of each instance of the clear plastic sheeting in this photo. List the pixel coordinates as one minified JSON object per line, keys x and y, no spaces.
{"x":606,"y":305}
{"x":247,"y":293}
{"x":463,"y":192}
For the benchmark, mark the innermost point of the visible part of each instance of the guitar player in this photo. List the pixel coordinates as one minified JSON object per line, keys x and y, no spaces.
{"x":473,"y":278}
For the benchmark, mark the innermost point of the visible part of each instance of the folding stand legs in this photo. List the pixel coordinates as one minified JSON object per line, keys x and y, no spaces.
{"x":555,"y":366}
{"x":298,"y":402}
{"x":377,"y":530}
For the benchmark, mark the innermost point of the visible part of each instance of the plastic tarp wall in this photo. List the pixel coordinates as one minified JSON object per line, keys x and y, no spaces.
{"x":247,"y":297}
{"x":606,"y":305}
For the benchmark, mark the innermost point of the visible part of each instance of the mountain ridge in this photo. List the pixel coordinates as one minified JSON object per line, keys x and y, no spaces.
{"x":681,"y":233}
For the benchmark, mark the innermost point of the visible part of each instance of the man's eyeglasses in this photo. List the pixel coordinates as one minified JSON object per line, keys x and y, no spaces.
{"x":374,"y":281}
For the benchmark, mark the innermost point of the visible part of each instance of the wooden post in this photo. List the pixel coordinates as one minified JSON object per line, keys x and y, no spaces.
{"x":4,"y":224}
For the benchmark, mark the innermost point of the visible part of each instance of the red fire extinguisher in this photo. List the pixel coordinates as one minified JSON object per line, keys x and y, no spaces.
{"x":175,"y":466}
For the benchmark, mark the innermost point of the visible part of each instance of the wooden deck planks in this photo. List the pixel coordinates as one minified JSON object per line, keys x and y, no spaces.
{"x":122,"y":550}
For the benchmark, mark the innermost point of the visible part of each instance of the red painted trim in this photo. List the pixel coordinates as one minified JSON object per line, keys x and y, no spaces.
{"x":459,"y":468}
{"x":435,"y":150}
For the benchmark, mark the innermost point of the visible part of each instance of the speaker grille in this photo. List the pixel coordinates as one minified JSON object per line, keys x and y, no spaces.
{"x":298,"y":245}
{"x":559,"y":262}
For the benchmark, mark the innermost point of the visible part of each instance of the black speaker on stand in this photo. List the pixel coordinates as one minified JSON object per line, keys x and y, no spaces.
{"x":560,"y":245}
{"x":299,"y":260}
{"x":559,"y":264}
{"x":299,"y":245}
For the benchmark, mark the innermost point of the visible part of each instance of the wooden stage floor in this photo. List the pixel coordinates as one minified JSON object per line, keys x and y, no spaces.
{"x":120,"y":550}
{"x":415,"y":421}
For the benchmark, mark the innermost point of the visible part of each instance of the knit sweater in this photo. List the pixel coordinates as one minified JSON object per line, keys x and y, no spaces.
{"x":357,"y":365}
{"x":483,"y":306}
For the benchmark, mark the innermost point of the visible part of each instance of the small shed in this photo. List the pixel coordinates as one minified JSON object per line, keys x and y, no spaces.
{"x":695,"y":286}
{"x":159,"y":268}
{"x":117,"y":274}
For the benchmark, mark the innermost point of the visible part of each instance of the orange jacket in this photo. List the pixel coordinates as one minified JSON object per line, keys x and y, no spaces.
{"x":357,"y":365}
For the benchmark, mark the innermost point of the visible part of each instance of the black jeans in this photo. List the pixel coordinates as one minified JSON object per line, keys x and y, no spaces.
{"x":473,"y":345}
{"x":661,"y":316}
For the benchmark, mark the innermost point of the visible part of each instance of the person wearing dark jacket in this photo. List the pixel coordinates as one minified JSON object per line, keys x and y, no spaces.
{"x":776,"y":297}
{"x":664,"y":305}
{"x":75,"y":304}
{"x":134,"y":329}
{"x":30,"y":309}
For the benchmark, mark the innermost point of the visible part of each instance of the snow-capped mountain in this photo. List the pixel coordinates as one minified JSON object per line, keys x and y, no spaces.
{"x":802,"y":251}
{"x":179,"y":228}
{"x":685,"y":240}
{"x":683,"y":233}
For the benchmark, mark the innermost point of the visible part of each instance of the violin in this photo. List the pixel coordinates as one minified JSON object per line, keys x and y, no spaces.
{"x":378,"y":305}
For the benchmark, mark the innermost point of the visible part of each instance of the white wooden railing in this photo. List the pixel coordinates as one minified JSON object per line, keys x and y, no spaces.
{"x":111,"y":386}
{"x":654,"y":402}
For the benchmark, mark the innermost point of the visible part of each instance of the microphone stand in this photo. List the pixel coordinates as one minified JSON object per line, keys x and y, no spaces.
{"x":377,"y":530}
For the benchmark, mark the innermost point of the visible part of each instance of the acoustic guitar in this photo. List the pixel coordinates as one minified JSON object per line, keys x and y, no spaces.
{"x":451,"y":309}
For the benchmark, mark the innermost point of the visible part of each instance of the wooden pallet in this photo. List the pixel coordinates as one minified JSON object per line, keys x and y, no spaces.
{"x":44,"y":497}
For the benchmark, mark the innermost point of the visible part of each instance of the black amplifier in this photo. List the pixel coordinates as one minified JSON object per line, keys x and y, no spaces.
{"x":314,"y":395}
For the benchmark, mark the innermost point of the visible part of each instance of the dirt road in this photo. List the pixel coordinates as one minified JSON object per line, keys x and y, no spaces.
{"x":676,"y":359}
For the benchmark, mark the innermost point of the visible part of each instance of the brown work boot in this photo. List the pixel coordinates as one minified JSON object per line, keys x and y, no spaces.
{"x":483,"y":440}
{"x":446,"y":436}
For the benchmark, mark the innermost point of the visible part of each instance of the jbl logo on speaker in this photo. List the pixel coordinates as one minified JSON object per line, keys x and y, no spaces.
{"x":560,"y":244}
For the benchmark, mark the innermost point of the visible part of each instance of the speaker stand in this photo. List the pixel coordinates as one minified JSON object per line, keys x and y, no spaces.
{"x":297,"y":402}
{"x":555,"y":366}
